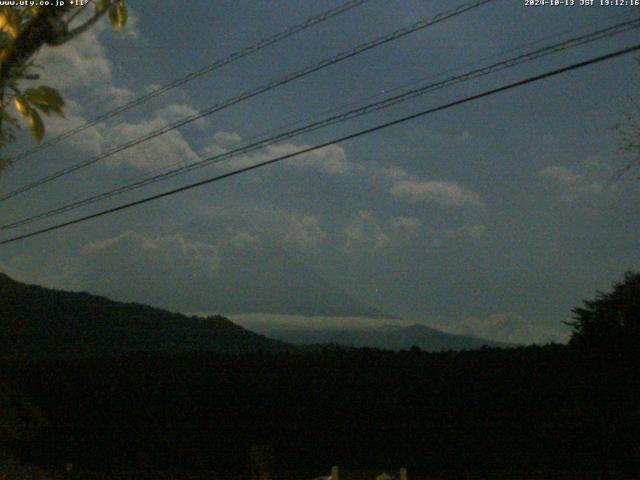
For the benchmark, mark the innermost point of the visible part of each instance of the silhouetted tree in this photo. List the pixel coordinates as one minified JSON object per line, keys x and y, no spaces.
{"x":612,"y":320}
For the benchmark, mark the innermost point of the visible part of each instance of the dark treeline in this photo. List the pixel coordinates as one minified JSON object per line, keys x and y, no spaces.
{"x":522,"y":409}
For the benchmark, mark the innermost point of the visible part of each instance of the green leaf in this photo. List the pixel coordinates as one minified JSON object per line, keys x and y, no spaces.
{"x":22,"y":105}
{"x":46,"y":99}
{"x":36,"y":125}
{"x":118,"y":14}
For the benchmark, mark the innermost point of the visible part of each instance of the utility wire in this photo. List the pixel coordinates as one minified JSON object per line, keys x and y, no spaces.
{"x":264,"y":43}
{"x":389,"y":90}
{"x":342,"y":117}
{"x":351,"y":136}
{"x":252,"y":93}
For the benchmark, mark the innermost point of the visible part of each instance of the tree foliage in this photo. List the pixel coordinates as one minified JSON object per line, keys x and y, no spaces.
{"x":611,"y":320}
{"x":628,"y":137}
{"x":24,"y":30}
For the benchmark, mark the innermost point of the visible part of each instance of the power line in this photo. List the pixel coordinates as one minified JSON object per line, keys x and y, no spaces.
{"x":351,"y":136}
{"x":255,"y":92}
{"x":332,"y":120}
{"x":388,"y":90}
{"x":264,"y":43}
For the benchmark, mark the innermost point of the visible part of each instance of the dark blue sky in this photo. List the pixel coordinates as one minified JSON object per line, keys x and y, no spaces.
{"x":495,"y":217}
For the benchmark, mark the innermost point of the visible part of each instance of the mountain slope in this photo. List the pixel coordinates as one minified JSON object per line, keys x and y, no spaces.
{"x":359,"y":332}
{"x":39,"y":322}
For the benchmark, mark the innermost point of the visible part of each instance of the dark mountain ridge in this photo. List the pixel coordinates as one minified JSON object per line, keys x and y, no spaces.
{"x":37,"y":322}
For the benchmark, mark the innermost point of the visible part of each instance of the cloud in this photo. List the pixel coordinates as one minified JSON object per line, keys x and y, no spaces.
{"x":277,"y":227}
{"x":561,"y":174}
{"x":443,"y":193}
{"x":80,"y":63}
{"x":331,"y":160}
{"x":168,"y":271}
{"x":240,"y":242}
{"x":506,"y":327}
{"x":162,"y":252}
{"x":573,"y":184}
{"x":178,"y":111}
{"x":169,"y":149}
{"x":114,"y":96}
{"x":363,"y":233}
{"x":233,"y":271}
{"x":393,"y":172}
{"x":90,"y":141}
{"x":212,"y":150}
{"x":83,"y":62}
{"x":303,"y":231}
{"x":227,"y":138}
{"x":83,"y":73}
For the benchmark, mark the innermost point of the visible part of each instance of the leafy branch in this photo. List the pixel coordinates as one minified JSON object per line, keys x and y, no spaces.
{"x":23,"y":32}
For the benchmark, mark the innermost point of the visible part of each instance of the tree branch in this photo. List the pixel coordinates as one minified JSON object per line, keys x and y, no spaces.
{"x":80,"y":29}
{"x":42,"y":29}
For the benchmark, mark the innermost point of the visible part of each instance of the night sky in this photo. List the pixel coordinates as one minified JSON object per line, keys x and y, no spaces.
{"x":495,"y":218}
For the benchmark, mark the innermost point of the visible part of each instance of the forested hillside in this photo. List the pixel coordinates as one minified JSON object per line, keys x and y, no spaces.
{"x":525,"y":409}
{"x":36,"y":322}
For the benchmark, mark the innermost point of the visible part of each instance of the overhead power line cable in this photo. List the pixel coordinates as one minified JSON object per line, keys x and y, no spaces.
{"x":510,"y":86}
{"x":339,"y":118}
{"x":253,"y":93}
{"x":388,"y":91}
{"x":246,"y":51}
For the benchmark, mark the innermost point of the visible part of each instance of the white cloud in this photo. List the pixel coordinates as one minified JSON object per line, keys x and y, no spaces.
{"x":444,"y":193}
{"x":303,"y":231}
{"x":331,"y":160}
{"x":89,"y":141}
{"x":278,"y":227}
{"x":83,"y":73}
{"x":83,"y":61}
{"x":393,"y":172}
{"x":573,"y":184}
{"x":212,"y":150}
{"x":238,"y":242}
{"x":171,"y":249}
{"x":114,"y":96}
{"x":79,"y":63}
{"x":363,"y":233}
{"x":561,"y":174}
{"x":227,"y":138}
{"x":168,"y":149}
{"x":178,"y":111}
